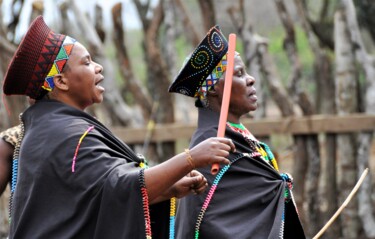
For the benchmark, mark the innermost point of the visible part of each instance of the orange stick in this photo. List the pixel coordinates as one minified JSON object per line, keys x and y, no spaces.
{"x":226,"y":94}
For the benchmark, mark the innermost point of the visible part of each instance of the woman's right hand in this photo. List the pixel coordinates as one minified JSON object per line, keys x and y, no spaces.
{"x":212,"y":150}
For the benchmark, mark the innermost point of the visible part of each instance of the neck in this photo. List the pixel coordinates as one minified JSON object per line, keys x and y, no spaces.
{"x":215,"y":105}
{"x":232,"y":119}
{"x":66,"y":100}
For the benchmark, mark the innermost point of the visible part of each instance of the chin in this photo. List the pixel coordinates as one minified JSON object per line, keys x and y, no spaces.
{"x":98,"y":101}
{"x":253,"y":107}
{"x":99,"y":98}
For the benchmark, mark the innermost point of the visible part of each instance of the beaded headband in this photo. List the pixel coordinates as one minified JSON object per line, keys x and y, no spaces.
{"x":58,"y":64}
{"x":212,"y":78}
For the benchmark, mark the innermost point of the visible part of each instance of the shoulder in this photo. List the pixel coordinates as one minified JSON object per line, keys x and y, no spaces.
{"x":11,"y":135}
{"x":202,"y":134}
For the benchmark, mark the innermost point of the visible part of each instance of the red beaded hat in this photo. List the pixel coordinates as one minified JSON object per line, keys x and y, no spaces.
{"x":201,"y":63}
{"x":34,"y":59}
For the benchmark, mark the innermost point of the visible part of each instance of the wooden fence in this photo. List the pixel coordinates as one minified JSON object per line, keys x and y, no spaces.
{"x":264,"y":127}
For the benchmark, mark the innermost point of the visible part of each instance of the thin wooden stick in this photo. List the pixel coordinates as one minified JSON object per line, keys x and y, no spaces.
{"x":226,"y":93}
{"x":344,"y":204}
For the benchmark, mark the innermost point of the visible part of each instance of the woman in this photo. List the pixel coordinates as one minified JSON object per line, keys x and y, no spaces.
{"x":248,"y":198}
{"x":77,"y":180}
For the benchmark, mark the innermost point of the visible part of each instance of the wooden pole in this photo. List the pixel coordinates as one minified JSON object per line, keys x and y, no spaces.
{"x":226,"y":94}
{"x":344,"y":204}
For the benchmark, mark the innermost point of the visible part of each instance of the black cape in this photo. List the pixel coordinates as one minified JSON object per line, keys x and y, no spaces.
{"x":249,"y":199}
{"x":101,"y":199}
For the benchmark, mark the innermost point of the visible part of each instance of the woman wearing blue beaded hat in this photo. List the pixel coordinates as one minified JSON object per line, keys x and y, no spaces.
{"x":76,"y":179}
{"x":248,"y":198}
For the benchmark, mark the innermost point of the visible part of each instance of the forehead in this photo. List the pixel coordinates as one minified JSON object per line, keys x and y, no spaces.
{"x":79,"y":51}
{"x":238,"y":60}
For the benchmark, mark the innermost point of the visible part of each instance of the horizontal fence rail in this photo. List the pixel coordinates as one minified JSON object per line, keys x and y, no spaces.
{"x":264,"y":127}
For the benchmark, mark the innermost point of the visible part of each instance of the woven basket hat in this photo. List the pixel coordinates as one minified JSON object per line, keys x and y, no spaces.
{"x":201,"y":63}
{"x":34,"y":60}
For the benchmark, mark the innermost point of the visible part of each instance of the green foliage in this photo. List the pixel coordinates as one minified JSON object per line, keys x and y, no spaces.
{"x":183,"y":49}
{"x":276,"y":37}
{"x":276,"y":50}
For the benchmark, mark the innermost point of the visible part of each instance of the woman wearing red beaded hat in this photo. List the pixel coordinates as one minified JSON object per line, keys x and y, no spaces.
{"x":75,"y":178}
{"x":248,"y":198}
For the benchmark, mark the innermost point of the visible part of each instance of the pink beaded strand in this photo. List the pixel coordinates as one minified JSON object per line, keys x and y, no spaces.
{"x":78,"y":146}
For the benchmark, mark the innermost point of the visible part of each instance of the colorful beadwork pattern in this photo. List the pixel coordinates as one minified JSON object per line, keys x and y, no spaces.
{"x":212,"y":78}
{"x":172,"y":218}
{"x":201,"y":63}
{"x":145,"y":203}
{"x":260,"y":150}
{"x":78,"y":146}
{"x":213,"y":189}
{"x":146,"y":211}
{"x":59,"y":63}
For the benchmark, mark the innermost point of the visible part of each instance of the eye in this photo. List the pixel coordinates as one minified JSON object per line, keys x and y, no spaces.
{"x":239,"y":73}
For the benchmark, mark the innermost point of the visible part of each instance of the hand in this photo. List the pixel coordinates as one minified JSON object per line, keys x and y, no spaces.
{"x":212,"y":150}
{"x":194,"y":183}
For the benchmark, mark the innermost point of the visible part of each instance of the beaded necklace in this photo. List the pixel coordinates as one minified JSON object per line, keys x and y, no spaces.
{"x":255,"y":145}
{"x":259,"y":149}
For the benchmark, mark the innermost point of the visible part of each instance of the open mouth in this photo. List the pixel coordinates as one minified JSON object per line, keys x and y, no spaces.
{"x":98,"y":84}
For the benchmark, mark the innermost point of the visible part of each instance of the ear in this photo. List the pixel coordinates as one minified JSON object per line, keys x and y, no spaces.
{"x":217,"y":89}
{"x":212,"y":92}
{"x":60,"y":82}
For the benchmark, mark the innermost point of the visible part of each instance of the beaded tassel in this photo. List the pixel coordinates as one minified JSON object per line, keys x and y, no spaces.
{"x":172,"y":218}
{"x":146,"y":211}
{"x":288,"y":196}
{"x":78,"y":146}
{"x":145,"y":202}
{"x":281,"y":233}
{"x":15,"y":166}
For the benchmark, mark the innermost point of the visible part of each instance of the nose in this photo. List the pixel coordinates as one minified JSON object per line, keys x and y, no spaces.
{"x":99,"y":68}
{"x":250,"y":80}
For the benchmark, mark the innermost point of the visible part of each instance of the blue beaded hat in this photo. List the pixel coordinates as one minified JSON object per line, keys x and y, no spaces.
{"x":201,"y":63}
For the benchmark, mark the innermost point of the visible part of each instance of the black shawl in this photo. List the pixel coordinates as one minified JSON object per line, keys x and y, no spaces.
{"x":101,"y":199}
{"x":249,"y":199}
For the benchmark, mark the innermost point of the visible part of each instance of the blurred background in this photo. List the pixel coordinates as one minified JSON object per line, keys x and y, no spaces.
{"x":314,"y":67}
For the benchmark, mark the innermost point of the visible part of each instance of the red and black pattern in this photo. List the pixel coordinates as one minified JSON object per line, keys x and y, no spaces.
{"x":45,"y":61}
{"x":33,"y":60}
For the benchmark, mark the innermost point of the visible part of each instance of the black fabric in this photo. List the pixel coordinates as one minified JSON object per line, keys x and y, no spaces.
{"x":249,"y":199}
{"x":201,"y":63}
{"x":101,"y":199}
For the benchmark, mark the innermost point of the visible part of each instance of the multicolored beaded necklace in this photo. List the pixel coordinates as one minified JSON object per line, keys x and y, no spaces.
{"x":256,"y":145}
{"x":260,"y":149}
